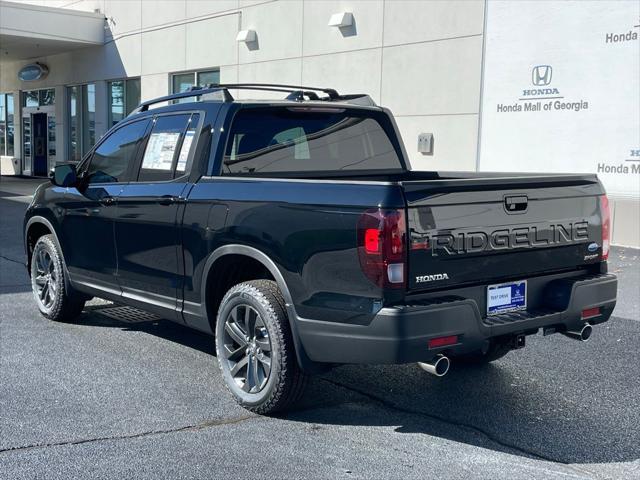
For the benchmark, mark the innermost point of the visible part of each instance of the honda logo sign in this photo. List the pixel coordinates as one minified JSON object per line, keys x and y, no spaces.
{"x":541,"y":75}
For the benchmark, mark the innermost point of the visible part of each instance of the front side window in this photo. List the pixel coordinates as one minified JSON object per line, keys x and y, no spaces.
{"x":281,"y":140}
{"x":168,"y":147}
{"x":110,"y":161}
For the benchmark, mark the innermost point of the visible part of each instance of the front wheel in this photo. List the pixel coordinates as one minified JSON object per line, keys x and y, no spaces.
{"x":255,"y":349}
{"x":53,"y":298}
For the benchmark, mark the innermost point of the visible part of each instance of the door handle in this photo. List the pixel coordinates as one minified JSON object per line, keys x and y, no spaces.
{"x":169,"y":200}
{"x":106,"y":201}
{"x":516,"y":203}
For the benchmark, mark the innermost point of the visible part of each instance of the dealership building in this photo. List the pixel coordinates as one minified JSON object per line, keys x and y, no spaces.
{"x":492,"y":86}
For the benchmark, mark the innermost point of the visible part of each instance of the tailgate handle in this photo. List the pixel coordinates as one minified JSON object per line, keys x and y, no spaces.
{"x":516,"y":204}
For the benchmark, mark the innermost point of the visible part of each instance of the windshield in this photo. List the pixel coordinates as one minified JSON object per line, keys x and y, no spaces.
{"x":295,"y":139}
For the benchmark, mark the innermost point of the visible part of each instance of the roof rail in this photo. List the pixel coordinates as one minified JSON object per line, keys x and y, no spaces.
{"x":295,"y":93}
{"x":298,"y":93}
{"x":192,"y":92}
{"x":333,"y":95}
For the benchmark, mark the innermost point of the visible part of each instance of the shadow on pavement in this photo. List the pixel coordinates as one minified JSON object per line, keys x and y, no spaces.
{"x":502,"y":406}
{"x":127,"y":318}
{"x":483,"y":407}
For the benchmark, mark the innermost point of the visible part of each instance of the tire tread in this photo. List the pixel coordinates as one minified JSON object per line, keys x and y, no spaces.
{"x":69,"y":304}
{"x":291,"y":381}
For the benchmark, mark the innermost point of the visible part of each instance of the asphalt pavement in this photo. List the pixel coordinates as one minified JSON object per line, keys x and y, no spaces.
{"x":123,"y":394}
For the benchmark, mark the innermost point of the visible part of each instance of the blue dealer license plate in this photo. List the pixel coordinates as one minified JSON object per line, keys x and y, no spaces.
{"x":506,"y":297}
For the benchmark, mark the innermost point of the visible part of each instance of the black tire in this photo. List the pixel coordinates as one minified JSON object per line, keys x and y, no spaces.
{"x":53,"y":298}
{"x":496,"y":351}
{"x":253,"y":336}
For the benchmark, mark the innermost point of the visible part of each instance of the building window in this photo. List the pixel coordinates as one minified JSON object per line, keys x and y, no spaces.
{"x":124,"y":96}
{"x":39,"y":98}
{"x":47,"y":97}
{"x":6,"y":124}
{"x":81,"y":103}
{"x":181,"y":82}
{"x":51,"y":135}
{"x":30,"y":99}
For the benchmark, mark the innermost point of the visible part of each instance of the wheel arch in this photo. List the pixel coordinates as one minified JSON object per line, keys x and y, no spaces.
{"x":253,"y":253}
{"x":36,"y":227}
{"x":43,"y":226}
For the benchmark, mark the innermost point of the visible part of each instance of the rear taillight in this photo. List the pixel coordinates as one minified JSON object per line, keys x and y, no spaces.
{"x":382,"y":237}
{"x":605,"y":213}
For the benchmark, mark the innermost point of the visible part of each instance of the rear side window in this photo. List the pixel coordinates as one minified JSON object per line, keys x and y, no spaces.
{"x":185,"y":158}
{"x":111,"y":159}
{"x":295,"y":139}
{"x":168,"y":147}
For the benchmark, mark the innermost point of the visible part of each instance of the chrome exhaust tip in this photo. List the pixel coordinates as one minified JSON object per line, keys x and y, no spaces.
{"x":583,"y":334}
{"x":439,"y":366}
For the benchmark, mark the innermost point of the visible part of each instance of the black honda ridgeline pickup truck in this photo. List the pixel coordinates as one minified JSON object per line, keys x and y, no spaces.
{"x":295,"y":231}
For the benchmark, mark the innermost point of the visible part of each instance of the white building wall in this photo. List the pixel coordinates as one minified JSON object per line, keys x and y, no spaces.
{"x":421,"y":59}
{"x":592,"y":50}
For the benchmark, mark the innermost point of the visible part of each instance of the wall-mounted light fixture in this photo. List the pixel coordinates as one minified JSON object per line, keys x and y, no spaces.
{"x":341,"y":20}
{"x":246,"y":36}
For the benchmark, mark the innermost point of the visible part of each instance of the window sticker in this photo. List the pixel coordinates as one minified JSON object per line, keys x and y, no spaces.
{"x":184,"y":150}
{"x":160,"y":150}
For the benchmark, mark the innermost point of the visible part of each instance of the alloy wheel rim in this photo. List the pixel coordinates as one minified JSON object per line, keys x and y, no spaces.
{"x":45,"y":279}
{"x":247,"y":348}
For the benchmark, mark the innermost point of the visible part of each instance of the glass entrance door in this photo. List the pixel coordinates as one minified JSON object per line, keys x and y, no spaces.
{"x":38,"y":143}
{"x":38,"y":132}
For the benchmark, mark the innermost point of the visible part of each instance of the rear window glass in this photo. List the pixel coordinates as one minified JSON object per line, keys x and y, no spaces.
{"x":281,"y":140}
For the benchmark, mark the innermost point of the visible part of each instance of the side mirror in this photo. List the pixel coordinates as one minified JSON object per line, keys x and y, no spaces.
{"x":64,"y":175}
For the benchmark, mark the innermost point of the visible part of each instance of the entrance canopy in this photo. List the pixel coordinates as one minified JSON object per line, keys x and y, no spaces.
{"x":30,"y":31}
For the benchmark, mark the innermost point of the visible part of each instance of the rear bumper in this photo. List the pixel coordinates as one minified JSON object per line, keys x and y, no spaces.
{"x":401,"y":334}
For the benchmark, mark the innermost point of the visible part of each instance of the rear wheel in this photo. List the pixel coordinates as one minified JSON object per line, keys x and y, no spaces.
{"x":255,"y":348}
{"x":495,"y":351}
{"x":53,"y":298}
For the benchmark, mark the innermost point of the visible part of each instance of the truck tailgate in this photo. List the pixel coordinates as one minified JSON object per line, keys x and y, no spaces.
{"x":494,"y":228}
